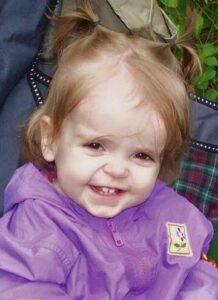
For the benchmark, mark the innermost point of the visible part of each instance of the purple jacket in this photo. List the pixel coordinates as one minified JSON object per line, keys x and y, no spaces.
{"x":50,"y":248}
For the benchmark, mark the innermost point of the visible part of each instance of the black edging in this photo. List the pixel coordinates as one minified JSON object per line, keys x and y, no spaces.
{"x":199,"y":144}
{"x":37,"y":95}
{"x":41,"y":77}
{"x":209,"y":103}
{"x":35,"y":76}
{"x":205,"y":146}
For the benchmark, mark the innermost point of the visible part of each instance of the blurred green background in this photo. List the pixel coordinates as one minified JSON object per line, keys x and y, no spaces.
{"x":205,"y":37}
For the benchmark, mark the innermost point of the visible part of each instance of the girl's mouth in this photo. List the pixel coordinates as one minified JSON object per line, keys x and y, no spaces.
{"x":106,"y":191}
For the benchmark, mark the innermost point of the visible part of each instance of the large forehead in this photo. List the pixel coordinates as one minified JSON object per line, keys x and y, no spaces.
{"x":116,"y":107}
{"x":115,"y":92}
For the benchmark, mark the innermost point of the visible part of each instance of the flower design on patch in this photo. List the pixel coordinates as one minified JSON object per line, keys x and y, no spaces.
{"x":181,"y":236}
{"x":178,"y":241}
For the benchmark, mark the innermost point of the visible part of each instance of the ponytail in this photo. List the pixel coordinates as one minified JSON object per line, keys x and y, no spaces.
{"x":190,"y":61}
{"x":73,"y":25}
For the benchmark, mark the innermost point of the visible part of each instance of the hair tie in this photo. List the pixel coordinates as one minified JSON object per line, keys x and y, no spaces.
{"x":96,"y":23}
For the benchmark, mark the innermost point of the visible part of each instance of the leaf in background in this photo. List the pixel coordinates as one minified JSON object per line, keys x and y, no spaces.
{"x":170,"y":3}
{"x":209,"y":50}
{"x":207,"y":75}
{"x":211,"y":94}
{"x":199,"y":26}
{"x":202,"y":86}
{"x":211,"y":61}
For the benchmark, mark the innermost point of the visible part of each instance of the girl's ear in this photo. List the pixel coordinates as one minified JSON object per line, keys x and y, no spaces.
{"x":47,"y":145}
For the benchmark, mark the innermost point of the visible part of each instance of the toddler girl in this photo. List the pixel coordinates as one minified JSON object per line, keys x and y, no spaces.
{"x":89,"y":216}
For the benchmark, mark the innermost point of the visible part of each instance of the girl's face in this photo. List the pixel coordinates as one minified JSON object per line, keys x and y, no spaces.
{"x":108,"y":152}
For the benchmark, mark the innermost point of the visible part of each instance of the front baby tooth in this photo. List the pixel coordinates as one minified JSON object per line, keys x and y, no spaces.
{"x":108,"y":191}
{"x":105,"y":190}
{"x":111,"y":191}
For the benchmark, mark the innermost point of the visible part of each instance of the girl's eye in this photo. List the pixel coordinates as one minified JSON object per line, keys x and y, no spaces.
{"x":142,"y":156}
{"x":94,"y":146}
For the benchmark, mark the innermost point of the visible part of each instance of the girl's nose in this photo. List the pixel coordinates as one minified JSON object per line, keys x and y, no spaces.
{"x":116,"y":169}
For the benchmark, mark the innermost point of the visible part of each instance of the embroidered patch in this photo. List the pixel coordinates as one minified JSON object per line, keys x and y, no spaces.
{"x":178,"y":240}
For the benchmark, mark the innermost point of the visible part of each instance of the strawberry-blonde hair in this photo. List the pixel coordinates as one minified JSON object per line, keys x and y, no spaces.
{"x":82,"y":46}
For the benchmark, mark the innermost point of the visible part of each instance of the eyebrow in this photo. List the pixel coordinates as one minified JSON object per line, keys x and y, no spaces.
{"x":91,"y":135}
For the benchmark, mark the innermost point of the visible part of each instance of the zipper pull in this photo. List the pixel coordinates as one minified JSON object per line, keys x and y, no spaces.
{"x":115,"y":234}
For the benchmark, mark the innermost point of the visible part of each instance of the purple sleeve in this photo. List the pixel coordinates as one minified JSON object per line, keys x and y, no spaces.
{"x":32,"y":263}
{"x":16,"y":287}
{"x":201,"y":283}
{"x":37,"y":272}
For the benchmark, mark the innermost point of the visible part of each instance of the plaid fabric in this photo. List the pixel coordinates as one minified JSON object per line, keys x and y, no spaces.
{"x":199,"y":184}
{"x":199,"y":181}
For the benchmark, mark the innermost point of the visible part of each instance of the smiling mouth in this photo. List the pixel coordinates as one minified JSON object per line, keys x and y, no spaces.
{"x":106,"y":191}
